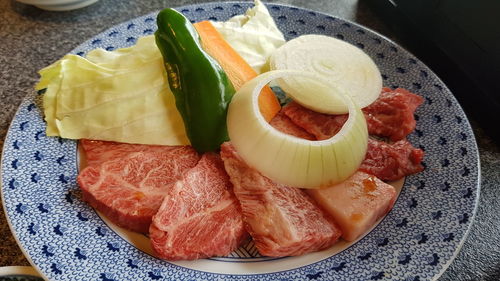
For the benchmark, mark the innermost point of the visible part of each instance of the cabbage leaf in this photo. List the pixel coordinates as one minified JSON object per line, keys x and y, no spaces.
{"x":118,"y":96}
{"x":253,"y":35}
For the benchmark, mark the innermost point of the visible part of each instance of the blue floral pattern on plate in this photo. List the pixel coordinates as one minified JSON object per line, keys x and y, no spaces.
{"x":417,"y":240}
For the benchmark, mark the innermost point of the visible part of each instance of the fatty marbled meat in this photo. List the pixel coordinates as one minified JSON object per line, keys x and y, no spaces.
{"x":97,"y":152}
{"x":200,"y":216}
{"x":282,"y":220}
{"x":128,"y":182}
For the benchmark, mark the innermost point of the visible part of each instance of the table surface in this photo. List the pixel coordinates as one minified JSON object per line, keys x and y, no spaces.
{"x":32,"y":38}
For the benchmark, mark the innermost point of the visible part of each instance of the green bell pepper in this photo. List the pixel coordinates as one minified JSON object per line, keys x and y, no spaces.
{"x":201,"y":88}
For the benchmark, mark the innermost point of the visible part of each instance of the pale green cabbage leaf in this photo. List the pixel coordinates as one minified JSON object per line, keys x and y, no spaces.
{"x":253,"y":35}
{"x":118,"y":96}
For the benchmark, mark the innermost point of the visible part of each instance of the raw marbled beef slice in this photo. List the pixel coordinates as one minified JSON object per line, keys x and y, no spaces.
{"x":200,"y":216}
{"x":97,"y":152}
{"x":129,"y":189}
{"x":282,"y":220}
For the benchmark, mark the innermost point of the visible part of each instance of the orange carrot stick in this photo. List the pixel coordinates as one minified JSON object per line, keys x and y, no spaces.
{"x":236,"y":68}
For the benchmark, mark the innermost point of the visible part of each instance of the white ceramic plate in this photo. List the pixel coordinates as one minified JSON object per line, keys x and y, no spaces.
{"x":417,"y":240}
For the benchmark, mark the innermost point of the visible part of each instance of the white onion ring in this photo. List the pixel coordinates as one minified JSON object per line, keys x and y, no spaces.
{"x":287,"y":159}
{"x":345,"y":66}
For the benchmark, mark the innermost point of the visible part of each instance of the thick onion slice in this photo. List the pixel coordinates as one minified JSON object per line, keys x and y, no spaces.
{"x":287,"y":159}
{"x":344,"y":65}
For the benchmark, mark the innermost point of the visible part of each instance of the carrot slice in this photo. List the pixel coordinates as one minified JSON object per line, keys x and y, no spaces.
{"x":236,"y":68}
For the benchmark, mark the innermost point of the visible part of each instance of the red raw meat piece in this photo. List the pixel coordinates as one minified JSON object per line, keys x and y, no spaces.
{"x":391,"y":115}
{"x":392,"y":161}
{"x":282,"y":123}
{"x":200,"y":216}
{"x":322,"y":126}
{"x":282,"y":220}
{"x":129,"y":189}
{"x":387,"y":161}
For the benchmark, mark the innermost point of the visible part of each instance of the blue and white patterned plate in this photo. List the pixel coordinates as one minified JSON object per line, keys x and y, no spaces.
{"x":67,"y":240}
